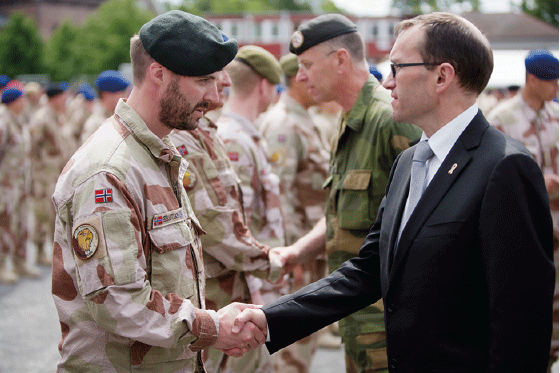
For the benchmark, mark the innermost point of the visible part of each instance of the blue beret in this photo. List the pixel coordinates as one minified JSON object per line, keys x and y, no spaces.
{"x":542,"y":64}
{"x":12,"y":92}
{"x":87,"y":91}
{"x":54,"y":89}
{"x":111,"y":81}
{"x":318,"y":30}
{"x":187,"y":44}
{"x":373,"y":71}
{"x":4,"y":80}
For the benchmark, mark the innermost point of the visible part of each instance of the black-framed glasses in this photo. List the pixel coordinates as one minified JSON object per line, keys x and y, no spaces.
{"x":399,"y":65}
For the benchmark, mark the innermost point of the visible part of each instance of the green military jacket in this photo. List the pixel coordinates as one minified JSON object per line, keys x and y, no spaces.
{"x":367,"y":145}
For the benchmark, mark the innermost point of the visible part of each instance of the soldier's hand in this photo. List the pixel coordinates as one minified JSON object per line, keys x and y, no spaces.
{"x":289,"y":256}
{"x":238,"y":342}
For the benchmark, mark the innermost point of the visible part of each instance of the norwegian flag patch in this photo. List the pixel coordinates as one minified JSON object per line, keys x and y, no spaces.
{"x":182,"y":150}
{"x":103,"y":195}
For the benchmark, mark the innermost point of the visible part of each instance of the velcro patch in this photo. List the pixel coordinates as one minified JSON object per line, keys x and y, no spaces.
{"x":167,"y":218}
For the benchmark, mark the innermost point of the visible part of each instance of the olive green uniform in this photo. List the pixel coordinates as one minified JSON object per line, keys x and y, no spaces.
{"x":367,"y":144}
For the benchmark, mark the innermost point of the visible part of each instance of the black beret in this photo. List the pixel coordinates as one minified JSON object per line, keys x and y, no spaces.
{"x":187,"y":44}
{"x":319,"y":29}
{"x":54,"y":89}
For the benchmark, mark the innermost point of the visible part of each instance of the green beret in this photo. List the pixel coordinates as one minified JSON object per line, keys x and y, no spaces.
{"x":262,"y":61}
{"x":318,"y":30}
{"x":187,"y":44}
{"x":289,"y":64}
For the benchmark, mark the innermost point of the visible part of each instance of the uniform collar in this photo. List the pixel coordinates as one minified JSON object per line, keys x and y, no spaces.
{"x":354,"y":118}
{"x":244,"y":123}
{"x":160,"y":148}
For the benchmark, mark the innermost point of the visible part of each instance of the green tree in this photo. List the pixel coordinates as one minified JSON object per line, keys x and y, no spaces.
{"x":201,"y":7}
{"x":545,"y":10}
{"x":20,"y":47}
{"x":104,"y":41}
{"x":101,"y":43}
{"x":60,"y":54}
{"x":412,"y":7}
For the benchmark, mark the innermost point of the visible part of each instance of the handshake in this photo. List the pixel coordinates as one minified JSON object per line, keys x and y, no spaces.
{"x":242,"y":328}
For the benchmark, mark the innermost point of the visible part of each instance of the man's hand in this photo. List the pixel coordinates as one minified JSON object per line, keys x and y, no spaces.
{"x":247,"y":337}
{"x":289,"y":257}
{"x":254,"y":317}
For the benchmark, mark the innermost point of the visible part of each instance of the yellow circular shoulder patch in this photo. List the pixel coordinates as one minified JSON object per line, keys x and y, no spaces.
{"x":189,"y":180}
{"x":85,"y":241}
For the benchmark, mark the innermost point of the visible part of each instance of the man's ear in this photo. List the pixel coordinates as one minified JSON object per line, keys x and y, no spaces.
{"x":156,"y":73}
{"x":446,"y":74}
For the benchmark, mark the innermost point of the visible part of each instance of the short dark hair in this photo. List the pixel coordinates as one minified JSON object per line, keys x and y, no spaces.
{"x":453,"y":39}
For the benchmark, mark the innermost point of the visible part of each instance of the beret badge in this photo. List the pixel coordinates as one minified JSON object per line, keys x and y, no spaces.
{"x":297,"y":39}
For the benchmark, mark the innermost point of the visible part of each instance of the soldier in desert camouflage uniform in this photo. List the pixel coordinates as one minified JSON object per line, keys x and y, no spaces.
{"x":332,"y":63}
{"x":531,"y":117}
{"x":80,"y":109}
{"x":128,"y":276}
{"x":299,"y":157}
{"x":112,"y":86}
{"x":254,"y":73}
{"x":14,"y":187}
{"x":50,"y":146}
{"x":229,"y":250}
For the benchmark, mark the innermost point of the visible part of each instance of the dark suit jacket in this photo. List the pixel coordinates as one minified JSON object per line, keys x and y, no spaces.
{"x":471,"y":285}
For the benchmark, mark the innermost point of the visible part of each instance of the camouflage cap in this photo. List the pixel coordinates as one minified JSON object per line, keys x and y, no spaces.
{"x":262,"y":61}
{"x":289,"y":64}
{"x":187,"y":44}
{"x":318,"y":30}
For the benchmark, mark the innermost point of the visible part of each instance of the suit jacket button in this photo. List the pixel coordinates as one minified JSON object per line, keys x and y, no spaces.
{"x":390,"y":308}
{"x":393,"y":364}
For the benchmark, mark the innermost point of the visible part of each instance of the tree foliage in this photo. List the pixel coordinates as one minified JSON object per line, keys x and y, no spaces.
{"x":545,"y":10}
{"x":20,"y":46}
{"x":414,"y":7}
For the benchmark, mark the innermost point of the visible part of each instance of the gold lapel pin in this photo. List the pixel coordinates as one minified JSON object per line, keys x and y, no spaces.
{"x":452,"y":168}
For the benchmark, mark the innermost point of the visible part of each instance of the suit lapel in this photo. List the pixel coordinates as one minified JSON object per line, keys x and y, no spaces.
{"x":448,"y":173}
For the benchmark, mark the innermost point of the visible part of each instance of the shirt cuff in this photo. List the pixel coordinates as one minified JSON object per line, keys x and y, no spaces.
{"x":205,"y":327}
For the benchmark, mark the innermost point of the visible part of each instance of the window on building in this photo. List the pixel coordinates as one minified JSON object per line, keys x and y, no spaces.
{"x":391,"y":30}
{"x":258,"y":30}
{"x":233,"y":30}
{"x":375,"y":31}
{"x":274,"y":30}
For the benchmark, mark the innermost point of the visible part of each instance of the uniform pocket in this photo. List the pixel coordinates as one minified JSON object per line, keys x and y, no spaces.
{"x":173,"y":269}
{"x":354,"y":205}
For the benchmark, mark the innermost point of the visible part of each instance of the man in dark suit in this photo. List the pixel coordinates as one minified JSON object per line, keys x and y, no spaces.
{"x":466,"y":273}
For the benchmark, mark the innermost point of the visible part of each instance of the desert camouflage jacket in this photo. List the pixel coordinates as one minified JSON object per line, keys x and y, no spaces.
{"x":128,"y":276}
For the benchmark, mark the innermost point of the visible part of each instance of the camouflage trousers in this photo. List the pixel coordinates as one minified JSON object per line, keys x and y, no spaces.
{"x":14,"y":229}
{"x":254,"y":361}
{"x":363,"y":332}
{"x":297,"y":357}
{"x":44,"y":214}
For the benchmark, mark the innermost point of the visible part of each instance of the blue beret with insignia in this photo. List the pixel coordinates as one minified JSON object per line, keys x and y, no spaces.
{"x":12,"y":92}
{"x":111,"y":81}
{"x":542,"y":64}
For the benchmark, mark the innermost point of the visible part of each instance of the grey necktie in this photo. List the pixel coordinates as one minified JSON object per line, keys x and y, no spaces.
{"x":418,"y":179}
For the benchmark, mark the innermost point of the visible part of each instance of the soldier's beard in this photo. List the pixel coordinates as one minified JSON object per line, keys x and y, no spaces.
{"x":175,"y":110}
